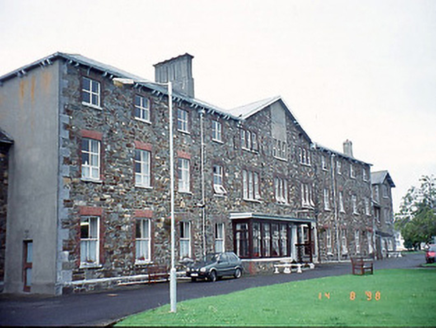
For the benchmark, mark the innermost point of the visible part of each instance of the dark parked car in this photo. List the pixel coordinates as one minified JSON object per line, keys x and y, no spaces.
{"x":215,"y":266}
{"x":430,"y":253}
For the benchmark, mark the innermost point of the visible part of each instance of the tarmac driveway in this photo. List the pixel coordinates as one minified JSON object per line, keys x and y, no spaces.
{"x":102,"y":309}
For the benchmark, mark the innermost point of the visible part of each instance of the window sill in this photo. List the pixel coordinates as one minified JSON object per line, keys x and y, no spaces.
{"x":91,"y":180}
{"x":250,"y":150}
{"x":90,"y":266}
{"x":184,"y":132}
{"x":218,"y":141}
{"x":305,"y":164}
{"x":91,"y":105}
{"x":281,"y":158}
{"x":259,"y":201}
{"x":141,"y":263}
{"x":185,"y":192}
{"x":142,"y":120}
{"x":144,"y":187}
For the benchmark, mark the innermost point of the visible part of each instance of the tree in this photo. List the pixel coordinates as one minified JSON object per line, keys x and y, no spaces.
{"x":417,"y":218}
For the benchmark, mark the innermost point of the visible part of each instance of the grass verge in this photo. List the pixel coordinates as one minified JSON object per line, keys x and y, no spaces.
{"x":387,"y":298}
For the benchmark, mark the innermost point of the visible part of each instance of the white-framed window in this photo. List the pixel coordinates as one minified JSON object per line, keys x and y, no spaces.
{"x":367,"y":206}
{"x":143,"y":240}
{"x":329,"y":241}
{"x":304,"y":156}
{"x":377,"y":214}
{"x":365,"y":174}
{"x":354,"y":204}
{"x":307,"y":195}
{"x":142,"y":108}
{"x":341,"y":202}
{"x":89,"y":240}
{"x":90,"y":92}
{"x":217,"y":131}
{"x":142,"y":168}
{"x":90,"y":159}
{"x":385,"y":191}
{"x":184,"y":175}
{"x":279,"y":149}
{"x":323,"y":163}
{"x":249,"y":140}
{"x":370,"y":248}
{"x":326,"y":199}
{"x":281,"y":190}
{"x":357,"y":240}
{"x":185,"y":239}
{"x":250,"y":185}
{"x":352,"y":171}
{"x":338,"y":167}
{"x":182,"y":120}
{"x":344,"y":242}
{"x":376,"y":194}
{"x":219,"y":237}
{"x":218,"y":178}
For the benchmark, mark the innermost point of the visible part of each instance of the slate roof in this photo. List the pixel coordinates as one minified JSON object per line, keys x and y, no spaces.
{"x":329,"y":150}
{"x":380,"y":176}
{"x":113,"y":72}
{"x":244,"y":112}
{"x":251,"y":109}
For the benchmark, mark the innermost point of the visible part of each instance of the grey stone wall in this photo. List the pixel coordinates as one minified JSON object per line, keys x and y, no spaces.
{"x":3,"y":207}
{"x":345,"y":221}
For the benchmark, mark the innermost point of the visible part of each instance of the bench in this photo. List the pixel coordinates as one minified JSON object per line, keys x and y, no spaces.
{"x":287,"y":267}
{"x":394,"y":254}
{"x":157,"y":272}
{"x":361,"y":265}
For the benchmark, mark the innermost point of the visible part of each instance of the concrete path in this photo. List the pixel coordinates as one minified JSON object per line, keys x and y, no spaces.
{"x":102,"y":309}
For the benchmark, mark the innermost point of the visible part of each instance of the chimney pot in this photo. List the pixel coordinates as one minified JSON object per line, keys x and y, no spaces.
{"x":348,"y":148}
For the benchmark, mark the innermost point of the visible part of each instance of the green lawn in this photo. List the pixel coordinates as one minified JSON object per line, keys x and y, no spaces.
{"x":387,"y":298}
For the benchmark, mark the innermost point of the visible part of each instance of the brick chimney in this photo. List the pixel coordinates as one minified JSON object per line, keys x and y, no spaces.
{"x":348,"y":148}
{"x":178,"y":70}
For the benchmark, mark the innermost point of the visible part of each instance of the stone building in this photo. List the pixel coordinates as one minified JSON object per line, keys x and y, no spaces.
{"x":345,"y":220}
{"x":89,"y":191}
{"x":5,"y":144}
{"x":382,"y":184}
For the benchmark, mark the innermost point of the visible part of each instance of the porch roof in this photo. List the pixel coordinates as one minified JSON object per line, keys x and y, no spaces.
{"x":288,"y":218}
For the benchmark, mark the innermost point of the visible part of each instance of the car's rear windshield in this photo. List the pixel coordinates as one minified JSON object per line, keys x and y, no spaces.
{"x":432,"y":249}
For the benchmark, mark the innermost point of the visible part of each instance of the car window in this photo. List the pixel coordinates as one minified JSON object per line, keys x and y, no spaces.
{"x":210,"y":257}
{"x":233,"y":258}
{"x":224,"y":258}
{"x":432,"y":249}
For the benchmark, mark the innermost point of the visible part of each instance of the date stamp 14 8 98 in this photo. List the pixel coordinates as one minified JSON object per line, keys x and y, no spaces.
{"x":370,"y":296}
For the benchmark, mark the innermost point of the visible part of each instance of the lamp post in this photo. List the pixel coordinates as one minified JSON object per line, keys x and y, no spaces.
{"x":173,"y":273}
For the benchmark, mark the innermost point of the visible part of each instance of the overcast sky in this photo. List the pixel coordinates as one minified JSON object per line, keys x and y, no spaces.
{"x":358,"y":70}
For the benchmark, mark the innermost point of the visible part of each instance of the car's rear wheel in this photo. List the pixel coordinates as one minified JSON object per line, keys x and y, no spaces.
{"x":193,"y":279}
{"x":238,"y":273}
{"x":212,"y":276}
